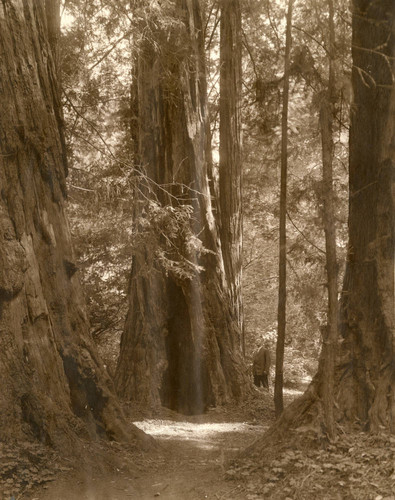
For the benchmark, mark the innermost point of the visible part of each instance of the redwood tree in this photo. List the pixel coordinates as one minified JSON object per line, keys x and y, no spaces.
{"x":180,"y":345}
{"x":52,"y":382}
{"x":367,"y":383}
{"x":230,"y":167}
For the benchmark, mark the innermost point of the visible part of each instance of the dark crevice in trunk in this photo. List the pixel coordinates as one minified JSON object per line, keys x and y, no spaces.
{"x":86,"y":398}
{"x":184,"y":384}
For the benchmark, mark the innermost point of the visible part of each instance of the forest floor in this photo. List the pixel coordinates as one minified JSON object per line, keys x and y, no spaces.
{"x":197,"y":458}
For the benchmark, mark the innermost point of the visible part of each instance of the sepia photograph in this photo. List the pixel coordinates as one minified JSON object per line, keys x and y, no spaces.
{"x":197,"y":249}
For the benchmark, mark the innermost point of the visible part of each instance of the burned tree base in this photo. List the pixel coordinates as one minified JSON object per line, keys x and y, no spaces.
{"x":186,"y":355}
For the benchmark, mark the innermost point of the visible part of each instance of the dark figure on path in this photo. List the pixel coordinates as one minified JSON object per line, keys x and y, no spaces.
{"x":261,"y":367}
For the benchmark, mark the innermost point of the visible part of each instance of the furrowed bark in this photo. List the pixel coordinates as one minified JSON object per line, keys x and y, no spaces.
{"x":230,"y":166}
{"x":53,"y":385}
{"x":180,"y":347}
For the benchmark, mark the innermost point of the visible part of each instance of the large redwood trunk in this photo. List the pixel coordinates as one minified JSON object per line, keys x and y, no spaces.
{"x":180,"y":347}
{"x":367,"y":384}
{"x":52,"y":383}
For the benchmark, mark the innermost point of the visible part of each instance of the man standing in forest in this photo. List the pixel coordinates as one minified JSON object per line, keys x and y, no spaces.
{"x":261,"y":367}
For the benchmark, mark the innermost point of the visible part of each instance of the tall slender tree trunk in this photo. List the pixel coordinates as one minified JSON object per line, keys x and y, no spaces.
{"x":230,"y":163}
{"x":282,"y":284}
{"x":53,"y":385}
{"x":180,"y":346}
{"x":331,"y":332}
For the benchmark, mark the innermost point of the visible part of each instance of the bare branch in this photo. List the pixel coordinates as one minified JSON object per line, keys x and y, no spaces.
{"x":312,"y":37}
{"x":361,"y":73}
{"x":108,"y":52}
{"x":217,"y":19}
{"x":247,"y":46}
{"x":82,"y":189}
{"x":304,"y":236}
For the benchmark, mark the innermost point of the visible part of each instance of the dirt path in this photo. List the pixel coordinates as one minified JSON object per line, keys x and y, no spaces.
{"x":190,"y":465}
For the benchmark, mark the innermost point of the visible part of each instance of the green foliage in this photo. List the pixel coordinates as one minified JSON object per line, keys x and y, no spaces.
{"x":95,"y":61}
{"x":102,"y":239}
{"x":164,"y":234}
{"x":264,"y":49}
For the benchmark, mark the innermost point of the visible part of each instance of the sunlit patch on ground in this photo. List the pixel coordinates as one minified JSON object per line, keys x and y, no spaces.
{"x":202,"y":435}
{"x":292,"y":392}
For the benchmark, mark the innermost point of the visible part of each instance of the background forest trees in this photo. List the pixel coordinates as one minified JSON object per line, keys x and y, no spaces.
{"x":99,"y":51}
{"x":306,"y":311}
